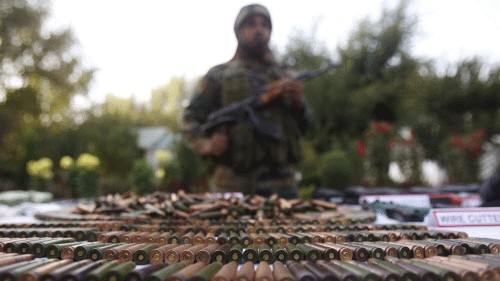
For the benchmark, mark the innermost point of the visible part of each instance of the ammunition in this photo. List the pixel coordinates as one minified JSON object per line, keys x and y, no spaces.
{"x":280,"y":253}
{"x":141,"y":256}
{"x":359,"y":253}
{"x":59,"y":272}
{"x":8,"y":260}
{"x":474,"y":247}
{"x":98,"y":274}
{"x":265,"y":253}
{"x":127,"y":254}
{"x":310,"y":253}
{"x":343,"y":253}
{"x":383,"y":273}
{"x":222,"y":238}
{"x":294,"y":253}
{"x":35,"y":274}
{"x":12,"y":272}
{"x":112,"y":253}
{"x":210,"y":238}
{"x":257,"y":239}
{"x":246,"y":272}
{"x":404,"y":252}
{"x":293,"y":238}
{"x":54,"y":251}
{"x":444,"y":274}
{"x":173,"y":255}
{"x":221,"y":253}
{"x":484,"y":271}
{"x":338,"y":272}
{"x":118,"y":272}
{"x":157,"y":255}
{"x":417,"y":246}
{"x":318,"y":271}
{"x":394,"y":268}
{"x":187,"y":238}
{"x":263,"y":272}
{"x":303,"y":238}
{"x":110,"y":237}
{"x":13,"y":245}
{"x":199,"y":238}
{"x":141,"y":273}
{"x":337,"y":237}
{"x":175,"y":238}
{"x":93,"y":236}
{"x":189,"y":255}
{"x":300,"y":272}
{"x":26,"y":247}
{"x":270,"y":240}
{"x":422,"y":273}
{"x":245,"y":239}
{"x":162,"y":239}
{"x":97,"y":253}
{"x":5,"y":255}
{"x":205,"y":254}
{"x":493,"y":244}
{"x":129,"y":237}
{"x":39,"y":248}
{"x":373,"y":251}
{"x":281,"y":238}
{"x":81,"y":252}
{"x":166,"y":272}
{"x":464,"y":274}
{"x":251,"y":253}
{"x":235,"y":253}
{"x":281,"y":272}
{"x":151,"y":237}
{"x":187,"y":272}
{"x":361,"y":273}
{"x":227,"y":272}
{"x":207,"y":272}
{"x":417,"y":251}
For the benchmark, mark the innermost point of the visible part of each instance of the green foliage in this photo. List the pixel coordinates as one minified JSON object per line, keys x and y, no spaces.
{"x":142,"y":177}
{"x":336,"y":169}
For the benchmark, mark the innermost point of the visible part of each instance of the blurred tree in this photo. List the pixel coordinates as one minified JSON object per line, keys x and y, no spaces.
{"x":166,"y":103}
{"x":40,"y":72}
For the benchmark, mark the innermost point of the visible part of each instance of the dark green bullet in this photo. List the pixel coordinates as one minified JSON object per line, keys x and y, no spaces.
{"x":251,"y":253}
{"x":235,"y":253}
{"x":118,"y":272}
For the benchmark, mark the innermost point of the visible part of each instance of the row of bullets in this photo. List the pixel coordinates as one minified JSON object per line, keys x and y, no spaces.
{"x":144,"y":253}
{"x":192,"y":234}
{"x":16,"y":230}
{"x":452,"y":268}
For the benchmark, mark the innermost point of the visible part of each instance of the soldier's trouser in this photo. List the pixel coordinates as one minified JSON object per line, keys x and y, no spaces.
{"x":262,"y":182}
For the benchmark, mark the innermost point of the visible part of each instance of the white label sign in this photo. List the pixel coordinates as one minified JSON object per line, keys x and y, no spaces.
{"x":466,"y":217}
{"x":414,"y":200}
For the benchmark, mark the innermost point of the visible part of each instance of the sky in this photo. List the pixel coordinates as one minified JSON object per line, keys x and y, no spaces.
{"x":138,"y":45}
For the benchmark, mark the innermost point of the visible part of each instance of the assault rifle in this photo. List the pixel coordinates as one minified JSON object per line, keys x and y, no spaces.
{"x":244,"y":110}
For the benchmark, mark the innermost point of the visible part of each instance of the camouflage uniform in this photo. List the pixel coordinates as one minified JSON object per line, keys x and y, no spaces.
{"x":253,"y":162}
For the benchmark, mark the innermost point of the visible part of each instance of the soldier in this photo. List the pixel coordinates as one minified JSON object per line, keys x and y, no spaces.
{"x":248,"y":161}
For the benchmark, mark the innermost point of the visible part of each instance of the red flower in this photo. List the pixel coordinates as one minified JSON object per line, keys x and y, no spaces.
{"x":456,"y":141}
{"x":381,"y":127}
{"x":478,"y":135}
{"x":474,"y":150}
{"x":360,"y":148}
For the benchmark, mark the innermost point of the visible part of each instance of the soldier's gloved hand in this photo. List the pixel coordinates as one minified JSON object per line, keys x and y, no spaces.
{"x":287,"y":87}
{"x":219,"y":141}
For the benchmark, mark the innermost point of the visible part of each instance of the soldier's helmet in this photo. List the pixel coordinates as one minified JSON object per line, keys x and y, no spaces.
{"x":250,"y":10}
